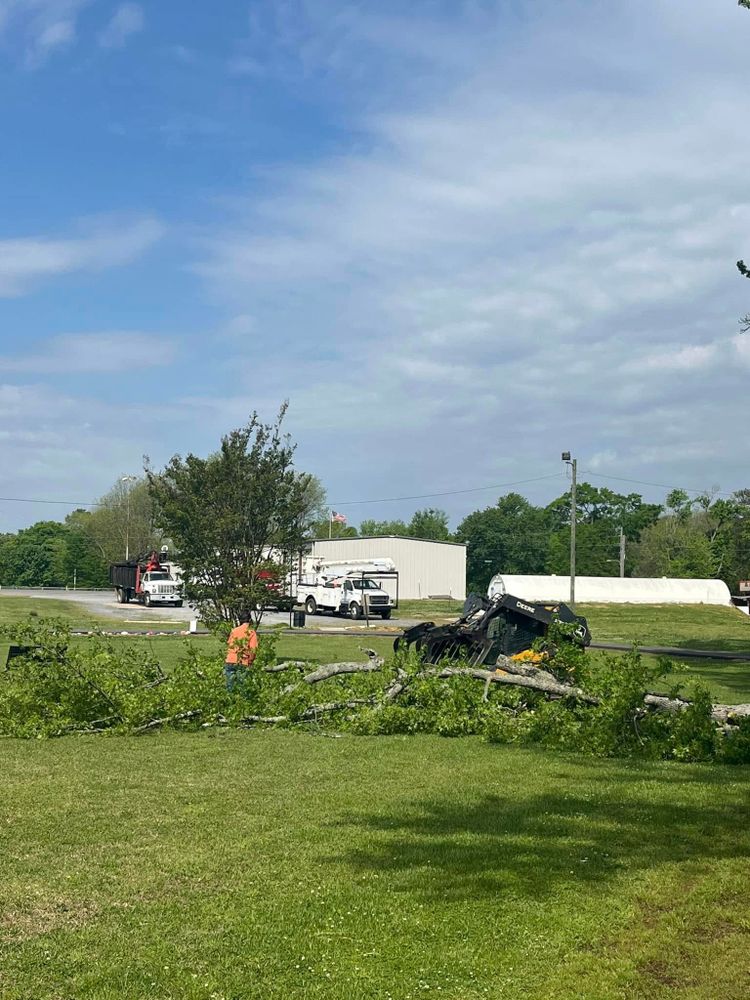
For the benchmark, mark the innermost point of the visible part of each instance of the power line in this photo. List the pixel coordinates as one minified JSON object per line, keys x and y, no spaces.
{"x":64,"y":503}
{"x":419,"y":496}
{"x":661,"y":486}
{"x":447,"y":493}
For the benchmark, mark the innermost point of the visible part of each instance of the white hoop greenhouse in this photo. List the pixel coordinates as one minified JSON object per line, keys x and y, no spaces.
{"x":612,"y":589}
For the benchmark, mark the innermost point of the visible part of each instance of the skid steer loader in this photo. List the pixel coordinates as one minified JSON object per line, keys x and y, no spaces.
{"x":488,"y":628}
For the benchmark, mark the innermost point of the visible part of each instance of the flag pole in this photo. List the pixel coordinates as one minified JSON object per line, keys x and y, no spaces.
{"x":330,"y":524}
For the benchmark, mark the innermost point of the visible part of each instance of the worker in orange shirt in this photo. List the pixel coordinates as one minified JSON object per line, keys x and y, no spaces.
{"x":242,"y":646}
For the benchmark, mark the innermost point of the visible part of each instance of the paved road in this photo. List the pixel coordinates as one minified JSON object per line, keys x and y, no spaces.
{"x":102,"y":603}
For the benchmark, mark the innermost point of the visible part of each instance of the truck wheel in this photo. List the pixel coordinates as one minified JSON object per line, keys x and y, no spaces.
{"x":385,"y":613}
{"x":178,"y":604}
{"x":354,"y":610}
{"x":147,"y":600}
{"x":311,"y":606}
{"x":125,"y":596}
{"x":120,"y":596}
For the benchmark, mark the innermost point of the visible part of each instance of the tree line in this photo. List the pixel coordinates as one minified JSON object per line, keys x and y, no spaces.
{"x":700,"y":537}
{"x":704,"y":537}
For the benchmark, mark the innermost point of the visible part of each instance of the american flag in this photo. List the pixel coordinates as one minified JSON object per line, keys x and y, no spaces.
{"x":339,"y":518}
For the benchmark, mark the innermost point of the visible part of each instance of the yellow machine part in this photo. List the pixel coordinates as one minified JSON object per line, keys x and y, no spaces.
{"x":529,"y":656}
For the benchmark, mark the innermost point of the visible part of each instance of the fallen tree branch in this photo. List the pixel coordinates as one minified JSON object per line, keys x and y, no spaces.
{"x":719,"y":713}
{"x":309,"y":713}
{"x":180,"y":717}
{"x":542,"y":681}
{"x":334,"y":706}
{"x":270,"y":720}
{"x":327,"y":670}
{"x":277,"y":668}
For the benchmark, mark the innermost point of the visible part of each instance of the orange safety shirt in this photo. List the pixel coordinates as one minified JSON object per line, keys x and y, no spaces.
{"x":242,"y":644}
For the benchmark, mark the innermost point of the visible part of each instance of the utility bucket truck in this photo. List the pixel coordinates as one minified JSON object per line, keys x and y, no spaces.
{"x":353,"y":588}
{"x":146,"y":581}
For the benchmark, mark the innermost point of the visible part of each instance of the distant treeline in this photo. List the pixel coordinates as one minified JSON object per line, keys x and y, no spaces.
{"x":703,"y":537}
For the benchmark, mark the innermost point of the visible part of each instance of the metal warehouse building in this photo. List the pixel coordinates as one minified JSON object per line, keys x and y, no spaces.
{"x":425,"y":568}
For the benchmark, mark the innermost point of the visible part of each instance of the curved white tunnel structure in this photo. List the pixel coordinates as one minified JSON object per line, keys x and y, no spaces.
{"x":612,"y":589}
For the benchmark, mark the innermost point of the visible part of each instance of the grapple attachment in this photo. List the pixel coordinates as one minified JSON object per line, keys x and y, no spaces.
{"x":488,"y":628}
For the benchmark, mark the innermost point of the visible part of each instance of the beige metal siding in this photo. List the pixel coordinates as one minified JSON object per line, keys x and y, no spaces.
{"x":426,"y":569}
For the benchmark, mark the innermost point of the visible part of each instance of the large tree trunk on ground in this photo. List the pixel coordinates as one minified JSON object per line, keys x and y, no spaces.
{"x":507,"y":672}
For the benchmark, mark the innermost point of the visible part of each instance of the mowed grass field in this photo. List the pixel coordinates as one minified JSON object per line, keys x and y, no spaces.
{"x":234,"y":865}
{"x":277,"y":865}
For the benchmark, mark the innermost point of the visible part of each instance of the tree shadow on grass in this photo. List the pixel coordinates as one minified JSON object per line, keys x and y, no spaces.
{"x":532,"y":845}
{"x":733,"y":675}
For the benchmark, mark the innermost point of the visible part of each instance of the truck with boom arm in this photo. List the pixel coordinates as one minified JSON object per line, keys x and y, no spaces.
{"x":346,"y":587}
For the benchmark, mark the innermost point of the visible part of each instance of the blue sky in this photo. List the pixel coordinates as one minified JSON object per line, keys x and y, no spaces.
{"x":459,"y":237}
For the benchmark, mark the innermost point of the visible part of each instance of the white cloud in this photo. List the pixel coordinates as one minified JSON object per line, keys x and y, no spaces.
{"x":24,"y":261}
{"x":98,"y":353}
{"x":126,"y":21}
{"x":38,"y":28}
{"x":542,"y":239}
{"x":692,"y":358}
{"x":56,"y":446}
{"x":741,"y":345}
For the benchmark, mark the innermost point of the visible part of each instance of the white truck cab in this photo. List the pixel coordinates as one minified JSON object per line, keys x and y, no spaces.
{"x":345,"y":588}
{"x":160,"y":587}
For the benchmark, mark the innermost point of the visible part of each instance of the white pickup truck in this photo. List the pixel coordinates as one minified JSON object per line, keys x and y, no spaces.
{"x":343,"y":588}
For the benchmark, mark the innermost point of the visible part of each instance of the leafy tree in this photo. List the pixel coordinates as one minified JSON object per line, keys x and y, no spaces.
{"x":745,"y":321}
{"x":124,"y":521}
{"x":383,"y":528}
{"x":597,"y":503}
{"x":429,"y":523}
{"x":600,"y":513}
{"x":731,"y":538}
{"x":227,"y":512}
{"x":675,"y":546}
{"x":510,"y":537}
{"x":35,"y":556}
{"x":316,"y":504}
{"x":597,"y":550}
{"x":83,"y":560}
{"x":325,"y":528}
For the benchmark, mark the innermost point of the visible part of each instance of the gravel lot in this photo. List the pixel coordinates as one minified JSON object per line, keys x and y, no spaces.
{"x":134,"y":616}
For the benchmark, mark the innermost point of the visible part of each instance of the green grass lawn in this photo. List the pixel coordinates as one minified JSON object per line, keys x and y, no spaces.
{"x":685,"y":625}
{"x":13,"y":609}
{"x":274,"y":865}
{"x":429,"y":608}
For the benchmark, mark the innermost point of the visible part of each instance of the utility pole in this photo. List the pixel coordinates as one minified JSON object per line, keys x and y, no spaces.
{"x":622,"y":553}
{"x":572,"y":462}
{"x":127,"y":479}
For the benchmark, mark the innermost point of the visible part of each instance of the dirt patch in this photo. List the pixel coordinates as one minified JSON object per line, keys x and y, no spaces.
{"x":660,"y":972}
{"x":716,"y":931}
{"x":26,"y":923}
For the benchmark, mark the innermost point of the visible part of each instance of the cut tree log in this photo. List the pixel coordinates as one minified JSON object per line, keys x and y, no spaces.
{"x":725,"y":714}
{"x":510,"y":673}
{"x":329,"y":670}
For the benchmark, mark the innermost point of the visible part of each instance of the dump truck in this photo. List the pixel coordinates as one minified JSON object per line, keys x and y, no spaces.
{"x":146,"y":581}
{"x":490,"y":627}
